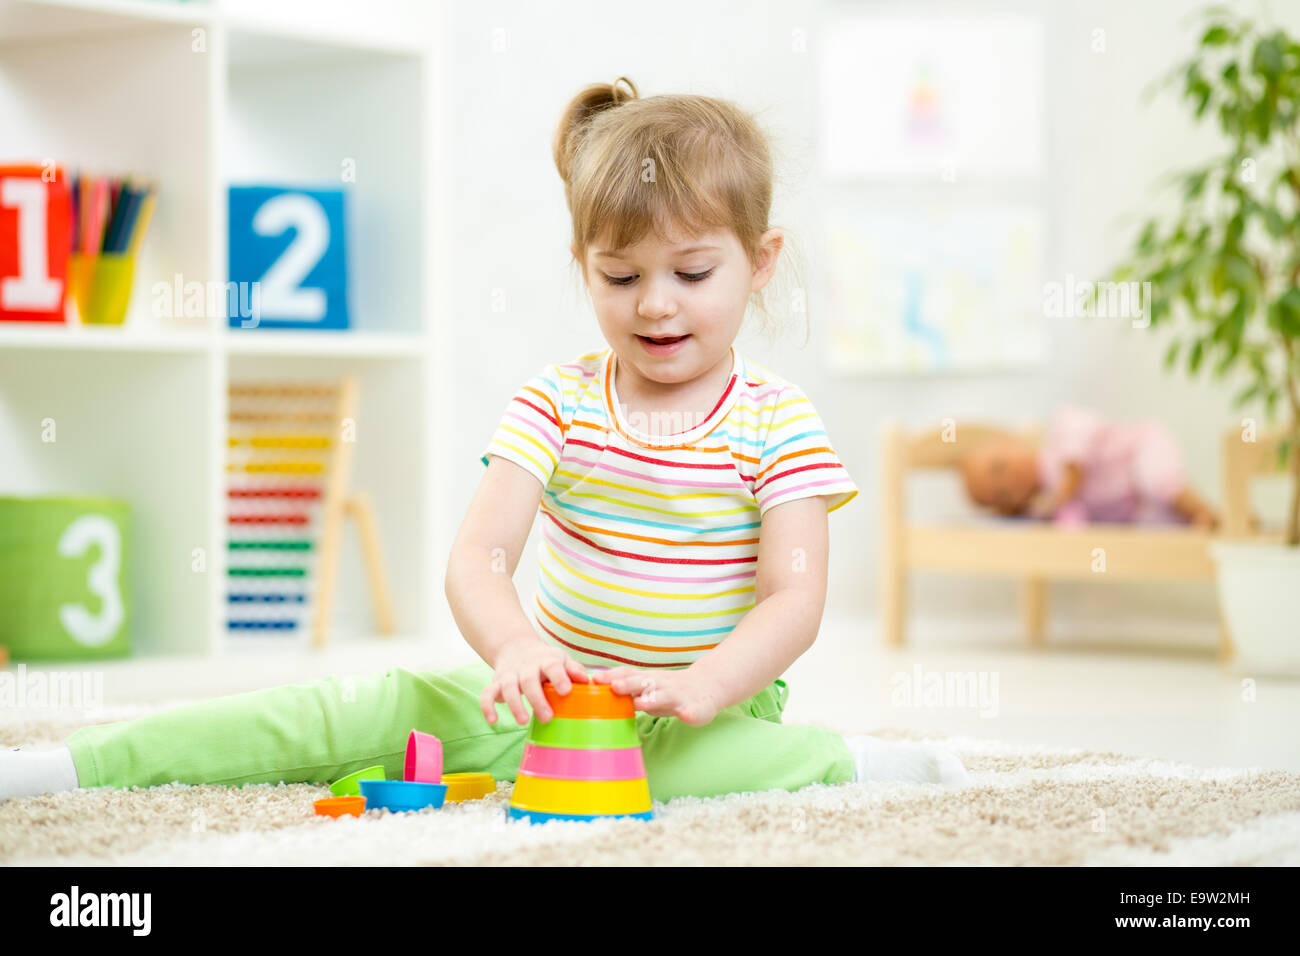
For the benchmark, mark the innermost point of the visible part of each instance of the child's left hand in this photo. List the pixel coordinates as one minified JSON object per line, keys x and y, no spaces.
{"x":668,"y":693}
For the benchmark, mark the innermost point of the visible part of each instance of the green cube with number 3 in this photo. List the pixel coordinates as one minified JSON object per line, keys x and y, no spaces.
{"x":63,"y":581}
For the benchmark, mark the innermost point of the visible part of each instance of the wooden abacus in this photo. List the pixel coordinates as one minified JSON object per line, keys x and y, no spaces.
{"x":289,"y":464}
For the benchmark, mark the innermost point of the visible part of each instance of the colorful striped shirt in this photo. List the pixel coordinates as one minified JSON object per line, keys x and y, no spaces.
{"x":649,"y":545}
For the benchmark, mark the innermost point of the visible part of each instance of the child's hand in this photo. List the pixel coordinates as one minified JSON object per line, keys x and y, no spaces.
{"x":675,"y":693}
{"x":522,"y":665}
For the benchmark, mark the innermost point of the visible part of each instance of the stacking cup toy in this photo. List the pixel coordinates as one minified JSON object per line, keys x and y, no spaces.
{"x":423,"y":758}
{"x":349,"y":786}
{"x":468,"y":786}
{"x":340,"y":806}
{"x":400,"y":795}
{"x":584,"y":763}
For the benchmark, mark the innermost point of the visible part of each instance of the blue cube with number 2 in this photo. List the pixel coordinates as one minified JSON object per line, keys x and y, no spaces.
{"x":291,"y":242}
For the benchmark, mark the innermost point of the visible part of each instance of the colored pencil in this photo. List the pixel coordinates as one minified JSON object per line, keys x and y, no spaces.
{"x":144,"y":211}
{"x":115,"y":238}
{"x":74,"y":227}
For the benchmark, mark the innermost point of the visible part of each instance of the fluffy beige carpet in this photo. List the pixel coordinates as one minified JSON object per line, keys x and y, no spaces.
{"x":1027,"y":806}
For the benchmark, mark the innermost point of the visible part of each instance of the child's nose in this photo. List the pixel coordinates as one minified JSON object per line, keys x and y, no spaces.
{"x":657,"y":302}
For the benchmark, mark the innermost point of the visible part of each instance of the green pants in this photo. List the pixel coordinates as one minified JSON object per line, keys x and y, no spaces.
{"x":320,"y":731}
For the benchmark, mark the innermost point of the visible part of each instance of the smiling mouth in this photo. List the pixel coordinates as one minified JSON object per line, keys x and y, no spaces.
{"x":663,"y":339}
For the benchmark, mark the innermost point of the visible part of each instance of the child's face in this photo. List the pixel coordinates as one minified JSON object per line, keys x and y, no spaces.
{"x":690,"y":293}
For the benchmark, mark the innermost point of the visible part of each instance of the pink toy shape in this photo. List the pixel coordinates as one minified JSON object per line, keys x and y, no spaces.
{"x":423,"y":758}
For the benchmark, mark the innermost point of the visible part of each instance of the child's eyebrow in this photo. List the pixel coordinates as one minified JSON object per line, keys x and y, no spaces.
{"x":618,"y":253}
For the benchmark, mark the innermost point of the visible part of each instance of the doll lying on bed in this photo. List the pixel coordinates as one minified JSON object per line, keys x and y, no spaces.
{"x":1087,"y":470}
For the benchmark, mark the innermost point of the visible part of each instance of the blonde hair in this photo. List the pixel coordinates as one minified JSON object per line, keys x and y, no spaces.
{"x":634,"y":167}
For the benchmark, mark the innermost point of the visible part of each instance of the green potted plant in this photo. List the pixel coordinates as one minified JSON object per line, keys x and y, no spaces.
{"x":1224,"y":274}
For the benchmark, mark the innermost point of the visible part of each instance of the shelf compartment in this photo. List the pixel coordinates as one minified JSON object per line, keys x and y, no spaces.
{"x":134,"y":428}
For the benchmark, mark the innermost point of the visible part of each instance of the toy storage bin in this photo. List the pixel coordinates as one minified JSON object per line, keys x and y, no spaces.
{"x":64,"y":586}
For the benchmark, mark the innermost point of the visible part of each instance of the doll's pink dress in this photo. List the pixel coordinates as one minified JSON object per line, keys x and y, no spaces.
{"x":1131,"y":471}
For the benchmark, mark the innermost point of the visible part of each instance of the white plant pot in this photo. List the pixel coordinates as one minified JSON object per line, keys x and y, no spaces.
{"x":1259,"y":592}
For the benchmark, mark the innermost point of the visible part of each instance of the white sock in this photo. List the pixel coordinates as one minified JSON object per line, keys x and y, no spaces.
{"x":28,"y":773}
{"x":875,"y":759}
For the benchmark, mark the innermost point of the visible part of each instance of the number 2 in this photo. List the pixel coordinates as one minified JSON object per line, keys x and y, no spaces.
{"x":281,"y":295}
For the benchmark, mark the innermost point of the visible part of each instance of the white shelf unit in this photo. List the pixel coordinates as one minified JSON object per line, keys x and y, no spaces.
{"x":203,"y":95}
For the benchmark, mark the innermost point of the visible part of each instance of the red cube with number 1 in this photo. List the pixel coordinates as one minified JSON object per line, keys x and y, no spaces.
{"x":34,"y":240}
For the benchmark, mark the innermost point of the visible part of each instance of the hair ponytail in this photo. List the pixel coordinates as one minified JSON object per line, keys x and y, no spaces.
{"x":578,"y":115}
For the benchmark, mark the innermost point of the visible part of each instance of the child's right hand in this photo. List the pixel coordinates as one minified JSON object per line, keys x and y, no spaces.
{"x":522,"y":665}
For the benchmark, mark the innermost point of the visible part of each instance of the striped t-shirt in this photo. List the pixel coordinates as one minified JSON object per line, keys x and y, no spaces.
{"x":649,"y":544}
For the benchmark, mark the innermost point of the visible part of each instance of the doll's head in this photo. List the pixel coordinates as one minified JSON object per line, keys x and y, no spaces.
{"x":669,"y":197}
{"x":1001,"y":474}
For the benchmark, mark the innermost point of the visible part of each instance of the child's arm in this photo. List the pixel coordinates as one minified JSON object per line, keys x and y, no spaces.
{"x":483,"y":598}
{"x":789,"y":596}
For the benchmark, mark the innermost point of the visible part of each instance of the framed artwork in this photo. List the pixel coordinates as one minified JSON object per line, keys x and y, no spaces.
{"x":913,"y":97}
{"x":925,"y":125}
{"x":931,"y":288}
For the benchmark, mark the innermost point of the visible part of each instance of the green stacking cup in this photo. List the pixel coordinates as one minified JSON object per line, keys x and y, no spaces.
{"x":350,"y":786}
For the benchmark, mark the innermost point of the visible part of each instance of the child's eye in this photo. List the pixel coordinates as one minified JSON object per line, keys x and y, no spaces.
{"x":688,"y":276}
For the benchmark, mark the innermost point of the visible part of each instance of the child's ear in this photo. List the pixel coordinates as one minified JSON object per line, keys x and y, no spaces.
{"x":770,"y":245}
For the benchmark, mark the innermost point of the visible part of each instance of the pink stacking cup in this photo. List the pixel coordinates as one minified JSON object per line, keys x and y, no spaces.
{"x":561,"y":764}
{"x":423,"y":758}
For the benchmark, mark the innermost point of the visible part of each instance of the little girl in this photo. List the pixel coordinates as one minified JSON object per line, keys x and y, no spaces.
{"x":684,"y":493}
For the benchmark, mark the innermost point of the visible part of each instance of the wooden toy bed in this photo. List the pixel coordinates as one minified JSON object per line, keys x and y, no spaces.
{"x":1037,"y":552}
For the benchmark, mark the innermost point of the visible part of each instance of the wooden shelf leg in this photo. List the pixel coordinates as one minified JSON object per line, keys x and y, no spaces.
{"x":1033,"y":609}
{"x":893,"y":605}
{"x":893,"y":568}
{"x":1226,"y":648}
{"x":332,"y":506}
{"x":361,"y":510}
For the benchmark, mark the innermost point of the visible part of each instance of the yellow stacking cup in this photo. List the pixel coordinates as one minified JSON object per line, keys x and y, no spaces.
{"x":468,"y":786}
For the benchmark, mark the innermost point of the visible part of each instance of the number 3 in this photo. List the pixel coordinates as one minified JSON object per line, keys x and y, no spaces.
{"x":82,"y":626}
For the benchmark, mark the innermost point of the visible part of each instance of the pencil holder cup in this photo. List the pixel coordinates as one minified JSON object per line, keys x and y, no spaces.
{"x":585,"y":763}
{"x":101,"y":286}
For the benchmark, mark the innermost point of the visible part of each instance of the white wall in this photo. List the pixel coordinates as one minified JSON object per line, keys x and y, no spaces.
{"x":514,"y":65}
